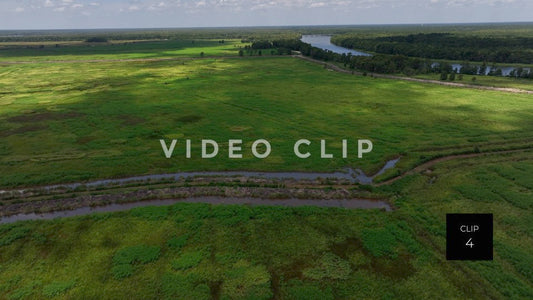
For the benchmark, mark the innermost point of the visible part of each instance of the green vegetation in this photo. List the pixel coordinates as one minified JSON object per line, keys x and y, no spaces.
{"x":61,"y":125}
{"x":496,"y":81}
{"x":97,"y":40}
{"x":290,"y":252}
{"x":121,"y":50}
{"x":188,"y":260}
{"x":125,"y":258}
{"x":67,"y":121}
{"x":447,"y":46}
{"x":57,"y":288}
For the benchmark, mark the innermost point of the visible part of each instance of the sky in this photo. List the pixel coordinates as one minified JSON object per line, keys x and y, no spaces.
{"x":77,"y":14}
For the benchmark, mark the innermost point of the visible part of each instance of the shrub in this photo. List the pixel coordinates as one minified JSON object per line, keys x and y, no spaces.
{"x":379,"y":242}
{"x":126,"y":257}
{"x":122,"y":271}
{"x":300,"y":290}
{"x":57,"y":288}
{"x":11,"y":233}
{"x":231,"y":214}
{"x":97,"y":39}
{"x":188,"y":260}
{"x":137,"y":254}
{"x":329,"y":266}
{"x":177,"y":242}
{"x":39,"y":238}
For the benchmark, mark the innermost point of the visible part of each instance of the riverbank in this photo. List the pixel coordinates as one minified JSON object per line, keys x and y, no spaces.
{"x":445,"y":83}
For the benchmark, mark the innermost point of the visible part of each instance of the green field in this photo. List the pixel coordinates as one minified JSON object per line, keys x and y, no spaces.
{"x":59,"y":121}
{"x":69,"y":121}
{"x":496,"y":81}
{"x":118,"y":50}
{"x":197,"y":251}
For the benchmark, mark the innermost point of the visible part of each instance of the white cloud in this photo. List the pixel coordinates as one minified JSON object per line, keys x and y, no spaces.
{"x":318,"y":4}
{"x":183,"y":13}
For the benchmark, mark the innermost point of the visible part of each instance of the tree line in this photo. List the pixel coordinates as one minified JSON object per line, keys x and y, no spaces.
{"x":446,"y":46}
{"x":382,"y":63}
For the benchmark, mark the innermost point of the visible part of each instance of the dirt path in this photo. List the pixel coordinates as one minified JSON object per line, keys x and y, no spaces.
{"x":435,"y":161}
{"x":454,"y":84}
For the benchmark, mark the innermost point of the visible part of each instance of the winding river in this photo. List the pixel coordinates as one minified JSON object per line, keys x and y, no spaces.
{"x":324,"y":42}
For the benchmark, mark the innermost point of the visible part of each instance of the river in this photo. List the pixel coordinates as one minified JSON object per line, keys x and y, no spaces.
{"x":324,"y":42}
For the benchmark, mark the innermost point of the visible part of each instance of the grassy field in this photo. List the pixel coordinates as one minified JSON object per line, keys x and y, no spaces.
{"x":496,"y":81}
{"x":117,"y":50}
{"x":77,"y":121}
{"x":65,"y":122}
{"x":197,"y":251}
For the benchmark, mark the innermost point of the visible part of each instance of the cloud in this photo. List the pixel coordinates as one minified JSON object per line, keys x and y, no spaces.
{"x":318,"y":4}
{"x":184,"y":13}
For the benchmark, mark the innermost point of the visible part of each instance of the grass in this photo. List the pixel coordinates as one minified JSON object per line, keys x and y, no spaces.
{"x":496,"y":81}
{"x":119,"y":50}
{"x":62,"y":125}
{"x":79,"y":121}
{"x":242,"y":252}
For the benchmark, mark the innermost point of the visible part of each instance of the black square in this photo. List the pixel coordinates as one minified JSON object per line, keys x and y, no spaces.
{"x":469,"y":236}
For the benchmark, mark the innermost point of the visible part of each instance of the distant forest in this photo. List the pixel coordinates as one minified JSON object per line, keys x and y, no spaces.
{"x":383,"y":63}
{"x":446,"y":46}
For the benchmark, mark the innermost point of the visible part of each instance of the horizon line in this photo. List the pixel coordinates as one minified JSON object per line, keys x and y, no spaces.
{"x":278,"y":26}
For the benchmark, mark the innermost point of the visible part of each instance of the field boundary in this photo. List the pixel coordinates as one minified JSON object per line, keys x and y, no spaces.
{"x":437,"y":160}
{"x":444,"y":83}
{"x":328,"y":65}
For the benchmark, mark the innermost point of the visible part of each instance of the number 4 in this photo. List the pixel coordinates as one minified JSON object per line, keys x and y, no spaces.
{"x":469,"y":243}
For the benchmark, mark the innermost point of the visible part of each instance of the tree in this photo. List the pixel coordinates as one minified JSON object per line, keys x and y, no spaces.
{"x":443,"y":76}
{"x":96,"y":39}
{"x":202,"y":54}
{"x":241,"y":53}
{"x":451,"y":77}
{"x":483,"y":69}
